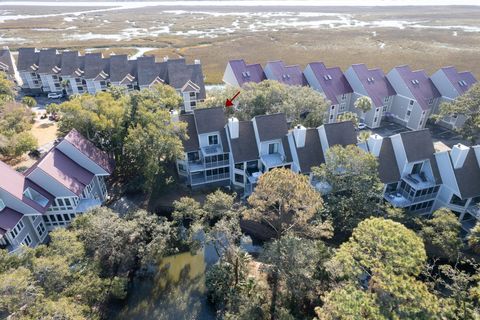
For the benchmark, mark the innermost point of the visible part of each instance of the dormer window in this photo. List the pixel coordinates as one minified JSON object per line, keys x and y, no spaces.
{"x":35,"y":196}
{"x":2,"y":205}
{"x":213,"y":140}
{"x":411,"y":102}
{"x":430,"y":101}
{"x":273,"y":148}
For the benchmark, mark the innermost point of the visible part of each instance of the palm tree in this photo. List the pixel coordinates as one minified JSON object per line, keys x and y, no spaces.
{"x":363,"y":103}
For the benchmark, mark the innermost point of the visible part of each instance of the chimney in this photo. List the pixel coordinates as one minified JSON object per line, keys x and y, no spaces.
{"x":233,"y":127}
{"x":375,"y":144}
{"x":165,"y":59}
{"x":299,"y":133}
{"x":458,"y":155}
{"x":196,"y":61}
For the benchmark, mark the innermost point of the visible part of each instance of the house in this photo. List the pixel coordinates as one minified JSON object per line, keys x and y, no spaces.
{"x":416,"y":97}
{"x":96,"y":72}
{"x":237,"y":73}
{"x":333,"y":84}
{"x":207,"y":155}
{"x":374,"y":84}
{"x":289,"y":75}
{"x":27,"y":66}
{"x":122,"y":72}
{"x":49,"y":67}
{"x":8,"y":66}
{"x":149,"y":72}
{"x":72,"y":71}
{"x":68,"y":181}
{"x":452,"y":84}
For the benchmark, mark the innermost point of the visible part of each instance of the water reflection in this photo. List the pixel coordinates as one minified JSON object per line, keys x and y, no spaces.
{"x":177,"y":291}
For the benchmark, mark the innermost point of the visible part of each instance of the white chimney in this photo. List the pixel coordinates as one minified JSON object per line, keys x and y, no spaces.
{"x":197,"y":61}
{"x":300,"y":133}
{"x":375,"y":144}
{"x":165,"y":59}
{"x":459,"y":154}
{"x":233,"y":127}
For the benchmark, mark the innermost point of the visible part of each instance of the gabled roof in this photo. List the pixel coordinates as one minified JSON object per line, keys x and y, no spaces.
{"x":95,"y":66}
{"x":49,"y":61}
{"x":149,"y":71}
{"x":286,"y":149}
{"x":340,"y":133}
{"x":119,"y":67}
{"x":419,"y":84}
{"x":87,"y":148}
{"x":462,"y":81}
{"x":179,"y":73}
{"x":72,"y":64}
{"x":247,"y":72}
{"x":387,"y":163}
{"x":375,"y":83}
{"x":271,"y":126}
{"x":27,"y":57}
{"x":64,"y":170}
{"x":191,"y":143}
{"x":311,"y":155}
{"x":15,"y":183}
{"x":468,"y":176}
{"x":8,"y":219}
{"x":332,"y":80}
{"x":6,"y":62}
{"x":290,"y":75}
{"x":209,"y":119}
{"x":190,"y":87}
{"x":244,"y":148}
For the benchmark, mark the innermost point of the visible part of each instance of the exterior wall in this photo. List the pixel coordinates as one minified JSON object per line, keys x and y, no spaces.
{"x":444,"y":85}
{"x":30,"y":80}
{"x":94,"y":86}
{"x":312,"y":79}
{"x":51,"y":83}
{"x":268,"y":73}
{"x":229,"y":76}
{"x":189,"y":100}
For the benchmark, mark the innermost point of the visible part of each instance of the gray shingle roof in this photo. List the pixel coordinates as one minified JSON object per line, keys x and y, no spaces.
{"x":6,"y":61}
{"x":271,"y":126}
{"x":387,"y":163}
{"x":340,"y":133}
{"x":95,"y":64}
{"x":26,"y":58}
{"x":286,"y":149}
{"x":148,"y":70}
{"x":179,"y":73}
{"x":190,"y":144}
{"x":468,"y":176}
{"x":210,"y":119}
{"x":48,"y":60}
{"x":311,"y":155}
{"x":71,"y":62}
{"x":244,"y":148}
{"x":119,"y":67}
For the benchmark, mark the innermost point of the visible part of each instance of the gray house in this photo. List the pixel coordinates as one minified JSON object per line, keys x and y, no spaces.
{"x":289,"y":75}
{"x":237,"y":73}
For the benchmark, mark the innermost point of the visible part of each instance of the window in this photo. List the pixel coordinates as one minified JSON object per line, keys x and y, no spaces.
{"x":41,"y":229}
{"x":343,"y":106}
{"x":2,"y":205}
{"x":193,"y":103}
{"x":386,"y":99}
{"x":193,"y":156}
{"x":212,"y":140}
{"x":430,"y":101}
{"x":331,"y":117}
{"x":421,"y":122}
{"x":193,"y":95}
{"x":35,"y":196}
{"x":239,"y":166}
{"x":385,"y":109}
{"x":375,"y":120}
{"x":412,"y":102}
{"x":181,"y":167}
{"x":417,"y":167}
{"x":27,"y":241}
{"x":344,"y":96}
{"x":272,"y":148}
{"x":458,"y":201}
{"x":409,"y":113}
{"x":333,"y":107}
{"x":238,"y":178}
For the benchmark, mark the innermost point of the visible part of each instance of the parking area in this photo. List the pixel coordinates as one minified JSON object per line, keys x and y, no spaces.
{"x":448,"y":137}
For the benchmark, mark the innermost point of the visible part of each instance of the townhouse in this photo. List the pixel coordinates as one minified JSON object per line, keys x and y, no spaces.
{"x":237,"y":73}
{"x":289,"y":75}
{"x":416,"y":177}
{"x":451,"y":84}
{"x":47,"y":70}
{"x":333,"y":84}
{"x":416,"y":97}
{"x":8,"y":66}
{"x":68,"y":181}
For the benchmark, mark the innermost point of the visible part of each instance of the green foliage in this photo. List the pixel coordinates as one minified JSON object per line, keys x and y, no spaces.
{"x":15,"y":138}
{"x":29,"y":101}
{"x":467,"y":105}
{"x":474,"y":238}
{"x":348,"y":116}
{"x":7,"y":92}
{"x":363,"y":104}
{"x":441,"y":234}
{"x":300,"y":104}
{"x":356,"y":187}
{"x":286,"y":201}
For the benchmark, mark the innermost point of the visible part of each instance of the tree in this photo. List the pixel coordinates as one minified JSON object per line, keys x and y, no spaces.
{"x":467,"y":105}
{"x":17,"y":289}
{"x":29,"y":101}
{"x":7,"y":92}
{"x":363,"y":104}
{"x":355,"y":186}
{"x":474,"y":238}
{"x":348,"y":116}
{"x":285,"y":201}
{"x":18,"y":144}
{"x":441,"y":234}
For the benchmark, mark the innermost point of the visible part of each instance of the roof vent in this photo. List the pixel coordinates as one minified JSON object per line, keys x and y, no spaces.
{"x":197,"y":61}
{"x":329,"y":77}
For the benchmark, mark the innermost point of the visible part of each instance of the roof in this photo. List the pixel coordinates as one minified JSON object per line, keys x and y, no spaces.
{"x":244,"y":148}
{"x":286,"y":149}
{"x":64,"y":170}
{"x":48,"y":60}
{"x":8,"y":219}
{"x":419,"y":84}
{"x":290,"y":75}
{"x":332,"y":80}
{"x":119,"y":67}
{"x":86,"y":147}
{"x":148,"y":71}
{"x":311,"y":155}
{"x":94,"y":65}
{"x":457,"y":78}
{"x":468,"y":176}
{"x":179,"y":73}
{"x":26,"y":58}
{"x":375,"y":83}
{"x":340,"y":133}
{"x":247,"y":72}
{"x":190,"y":144}
{"x":387,"y":163}
{"x":271,"y":126}
{"x":418,"y":146}
{"x":209,"y":119}
{"x":6,"y":62}
{"x":15,"y":183}
{"x":71,"y":62}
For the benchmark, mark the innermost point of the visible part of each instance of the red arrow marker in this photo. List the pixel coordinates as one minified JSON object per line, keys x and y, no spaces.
{"x":229,"y":102}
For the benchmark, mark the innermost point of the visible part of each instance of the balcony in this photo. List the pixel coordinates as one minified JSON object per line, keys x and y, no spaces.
{"x":402,"y":198}
{"x":474,"y":210}
{"x":200,"y":165}
{"x":198,"y":180}
{"x":273,"y":160}
{"x":86,"y":204}
{"x":397,"y":199}
{"x":418,"y":181}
